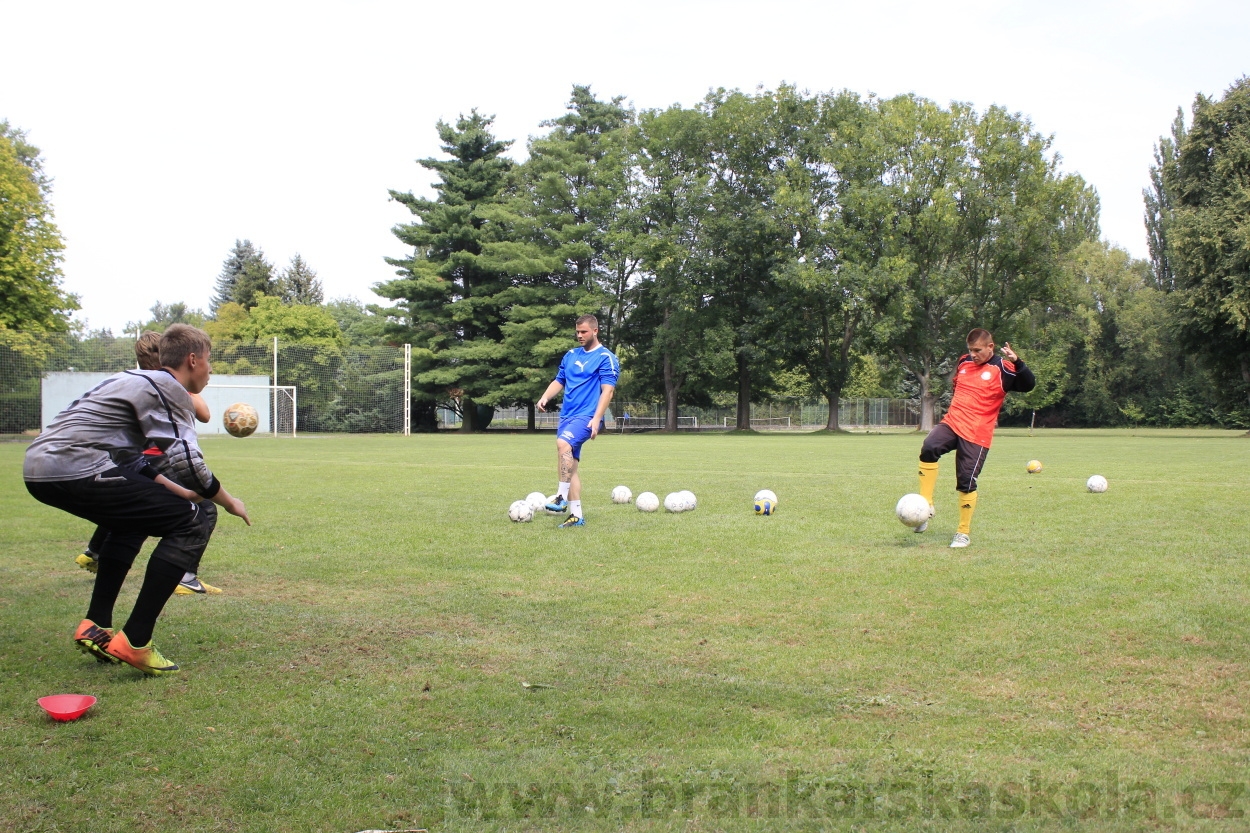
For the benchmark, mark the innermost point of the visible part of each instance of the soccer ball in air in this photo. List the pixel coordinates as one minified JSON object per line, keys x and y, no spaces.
{"x":622,"y":494}
{"x":647,"y":502}
{"x":536,"y":500}
{"x":521,"y":512}
{"x":691,"y":501}
{"x":1033,"y":466}
{"x":913,"y":510}
{"x":240,"y":419}
{"x":765,"y":502}
{"x":1096,"y":484}
{"x":675,"y":502}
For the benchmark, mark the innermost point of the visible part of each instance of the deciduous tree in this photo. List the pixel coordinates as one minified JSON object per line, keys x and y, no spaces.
{"x":1208,"y":226}
{"x":31,"y":297}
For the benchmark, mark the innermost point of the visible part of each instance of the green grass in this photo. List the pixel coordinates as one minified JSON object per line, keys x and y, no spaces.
{"x":1084,"y":665}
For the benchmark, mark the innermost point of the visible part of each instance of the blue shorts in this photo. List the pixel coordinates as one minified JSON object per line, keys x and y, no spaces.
{"x":575,"y":430}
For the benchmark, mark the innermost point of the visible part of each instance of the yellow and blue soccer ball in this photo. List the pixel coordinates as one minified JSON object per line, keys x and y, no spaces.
{"x":765,"y":502}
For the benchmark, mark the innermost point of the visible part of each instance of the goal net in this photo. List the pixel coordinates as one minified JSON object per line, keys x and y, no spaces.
{"x":276,"y":406}
{"x":766,"y":423}
{"x":626,"y":424}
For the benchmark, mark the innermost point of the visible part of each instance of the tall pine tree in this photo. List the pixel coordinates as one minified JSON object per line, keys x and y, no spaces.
{"x":448,"y":301}
{"x":298,"y":284}
{"x":245,"y":274}
{"x":566,"y":237}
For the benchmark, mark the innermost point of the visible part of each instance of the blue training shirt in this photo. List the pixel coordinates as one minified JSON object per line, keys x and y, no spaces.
{"x":582,"y":372}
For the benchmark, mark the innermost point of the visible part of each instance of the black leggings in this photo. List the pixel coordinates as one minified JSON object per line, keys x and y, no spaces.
{"x":969,"y":457}
{"x":131,"y":508}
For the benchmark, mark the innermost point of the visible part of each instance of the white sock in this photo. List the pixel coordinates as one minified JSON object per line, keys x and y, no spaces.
{"x":564,"y":490}
{"x":188,"y":577}
{"x":575,"y":508}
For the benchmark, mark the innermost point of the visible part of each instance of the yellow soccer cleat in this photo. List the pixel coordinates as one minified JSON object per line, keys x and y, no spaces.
{"x":195,"y":586}
{"x":147,"y":659}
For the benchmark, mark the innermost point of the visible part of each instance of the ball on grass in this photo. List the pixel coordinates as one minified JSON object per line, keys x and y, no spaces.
{"x":521,"y":512}
{"x":647,"y":502}
{"x":622,"y":494}
{"x":1096,"y":484}
{"x":1033,"y":466}
{"x":765,"y":502}
{"x":913,"y":510}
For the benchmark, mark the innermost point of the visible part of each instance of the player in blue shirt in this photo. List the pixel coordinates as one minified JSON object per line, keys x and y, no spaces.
{"x":587,"y":376}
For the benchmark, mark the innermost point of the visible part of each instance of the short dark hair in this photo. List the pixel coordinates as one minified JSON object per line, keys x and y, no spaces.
{"x":180,"y":341}
{"x":148,"y":350}
{"x":587,"y":319}
{"x":979,"y":335}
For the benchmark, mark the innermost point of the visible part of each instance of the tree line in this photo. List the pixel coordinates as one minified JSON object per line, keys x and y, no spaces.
{"x":790,"y":244}
{"x":783,"y":243}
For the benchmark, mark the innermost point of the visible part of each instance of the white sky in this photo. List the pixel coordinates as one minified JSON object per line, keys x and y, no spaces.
{"x":172,"y":129}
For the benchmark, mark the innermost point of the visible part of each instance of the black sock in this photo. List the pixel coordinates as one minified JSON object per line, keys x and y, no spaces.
{"x":158,"y":585}
{"x":109,"y":577}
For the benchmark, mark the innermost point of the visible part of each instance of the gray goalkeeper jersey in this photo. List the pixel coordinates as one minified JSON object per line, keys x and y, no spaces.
{"x":114,"y":423}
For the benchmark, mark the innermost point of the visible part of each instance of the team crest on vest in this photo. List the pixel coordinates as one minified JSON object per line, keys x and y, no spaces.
{"x":986,"y":375}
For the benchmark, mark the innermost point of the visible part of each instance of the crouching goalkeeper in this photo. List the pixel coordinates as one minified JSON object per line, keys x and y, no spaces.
{"x":90,"y":462}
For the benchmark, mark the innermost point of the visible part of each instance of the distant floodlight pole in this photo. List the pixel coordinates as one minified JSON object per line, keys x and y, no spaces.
{"x":275,"y":386}
{"x":407,"y":389}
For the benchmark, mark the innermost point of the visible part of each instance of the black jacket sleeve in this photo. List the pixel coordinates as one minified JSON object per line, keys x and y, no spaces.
{"x":1023,"y":380}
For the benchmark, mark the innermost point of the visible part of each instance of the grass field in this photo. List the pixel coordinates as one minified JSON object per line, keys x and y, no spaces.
{"x":391,"y":652}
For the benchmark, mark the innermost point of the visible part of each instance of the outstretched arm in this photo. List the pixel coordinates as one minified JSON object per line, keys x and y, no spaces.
{"x":1024,"y":380}
{"x":232,"y":505}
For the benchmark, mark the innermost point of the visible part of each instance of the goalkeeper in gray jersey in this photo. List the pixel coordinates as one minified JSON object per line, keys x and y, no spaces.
{"x":90,"y":462}
{"x":147,"y":356}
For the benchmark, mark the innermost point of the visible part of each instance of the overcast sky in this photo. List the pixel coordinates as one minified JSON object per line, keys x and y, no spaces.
{"x":173,"y":129}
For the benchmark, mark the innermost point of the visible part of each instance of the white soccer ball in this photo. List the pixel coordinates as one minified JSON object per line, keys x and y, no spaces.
{"x":622,"y":494}
{"x":675,"y":502}
{"x":536,"y":500}
{"x":647,"y":502}
{"x":691,"y":500}
{"x":1096,"y":484}
{"x":913,"y":510}
{"x":765,"y":502}
{"x":521,"y":512}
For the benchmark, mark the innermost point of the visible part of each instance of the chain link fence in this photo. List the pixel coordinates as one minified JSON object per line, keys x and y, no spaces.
{"x":340,"y":389}
{"x":363,"y":390}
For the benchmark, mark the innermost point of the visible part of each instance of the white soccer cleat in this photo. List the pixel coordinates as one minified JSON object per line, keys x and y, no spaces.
{"x":961,"y":540}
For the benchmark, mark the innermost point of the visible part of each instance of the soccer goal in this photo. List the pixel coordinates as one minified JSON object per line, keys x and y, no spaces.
{"x":274,"y":404}
{"x":766,"y":423}
{"x":626,"y":424}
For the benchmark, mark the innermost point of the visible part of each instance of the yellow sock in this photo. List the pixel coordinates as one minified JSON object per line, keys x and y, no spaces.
{"x":928,"y":480}
{"x":967,"y":505}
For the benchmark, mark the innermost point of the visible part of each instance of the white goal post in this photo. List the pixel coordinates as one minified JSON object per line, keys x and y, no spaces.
{"x":765,"y":423}
{"x":275,"y":405}
{"x":648,"y":423}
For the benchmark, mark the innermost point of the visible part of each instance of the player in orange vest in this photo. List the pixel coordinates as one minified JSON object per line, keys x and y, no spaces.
{"x":982,"y":382}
